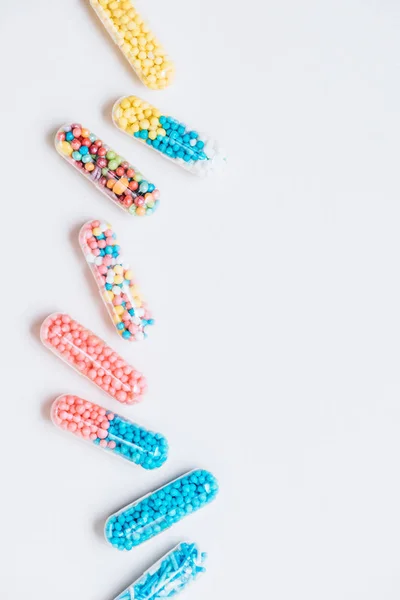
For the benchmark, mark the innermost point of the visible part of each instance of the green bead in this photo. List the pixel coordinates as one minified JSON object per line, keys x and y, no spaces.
{"x":138,"y":177}
{"x":119,"y":160}
{"x":110,"y":155}
{"x":113,"y":164}
{"x":132,"y":209}
{"x":104,"y":171}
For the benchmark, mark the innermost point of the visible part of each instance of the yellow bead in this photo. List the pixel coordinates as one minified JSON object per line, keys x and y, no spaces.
{"x":128,"y":275}
{"x":135,"y":127}
{"x":144,"y":124}
{"x":125,"y":103}
{"x":152,"y":135}
{"x":142,"y":55}
{"x":116,"y":319}
{"x":108,"y":296}
{"x":161,"y":131}
{"x":118,"y":269}
{"x":119,"y":309}
{"x":123,"y":122}
{"x":137,"y":302}
{"x":118,"y":279}
{"x":96,"y":231}
{"x":65,"y":148}
{"x":137,"y":102}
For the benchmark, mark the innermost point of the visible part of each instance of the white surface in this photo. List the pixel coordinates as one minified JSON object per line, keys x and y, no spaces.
{"x":275,"y":358}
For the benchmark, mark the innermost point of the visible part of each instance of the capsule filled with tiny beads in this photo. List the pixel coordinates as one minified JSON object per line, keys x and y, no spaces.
{"x":109,"y":431}
{"x":90,"y":356}
{"x":111,"y":174}
{"x":114,"y":278}
{"x":136,"y":41}
{"x":196,"y":152}
{"x":168,"y":576}
{"x":156,"y":512}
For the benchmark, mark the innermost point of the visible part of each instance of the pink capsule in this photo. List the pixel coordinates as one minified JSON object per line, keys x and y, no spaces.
{"x":59,"y":337}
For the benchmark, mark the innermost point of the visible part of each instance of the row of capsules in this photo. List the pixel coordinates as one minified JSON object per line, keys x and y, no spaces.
{"x":126,"y":186}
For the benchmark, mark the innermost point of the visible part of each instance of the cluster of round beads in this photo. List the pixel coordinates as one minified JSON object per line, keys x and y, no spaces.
{"x":114,"y":277}
{"x":90,"y":356}
{"x":195,"y":152}
{"x":110,"y":431}
{"x":158,"y":511}
{"x":135,"y":40}
{"x":110,"y":173}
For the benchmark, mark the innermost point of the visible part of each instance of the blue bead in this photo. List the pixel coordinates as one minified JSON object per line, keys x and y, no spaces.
{"x":120,"y":326}
{"x":181,"y":129}
{"x":126,"y":335}
{"x":137,"y":134}
{"x":152,"y":187}
{"x":200,"y":145}
{"x":108,"y":249}
{"x":84,"y":150}
{"x":69,"y":136}
{"x":193,"y":135}
{"x":162,"y":120}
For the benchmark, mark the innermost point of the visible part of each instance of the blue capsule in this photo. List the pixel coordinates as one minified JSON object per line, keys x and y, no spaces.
{"x":159,"y":510}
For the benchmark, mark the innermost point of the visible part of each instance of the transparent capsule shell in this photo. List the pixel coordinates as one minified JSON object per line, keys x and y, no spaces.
{"x":109,"y":172}
{"x":136,"y":41}
{"x":157,"y":511}
{"x":90,"y":356}
{"x":109,"y":431}
{"x":168,"y":576}
{"x":198,"y":153}
{"x":114,"y":278}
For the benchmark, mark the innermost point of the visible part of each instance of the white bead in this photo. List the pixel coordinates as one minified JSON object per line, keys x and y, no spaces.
{"x":139,"y":312}
{"x":98,"y":261}
{"x":139,"y":336}
{"x":116,"y":290}
{"x":90,"y":258}
{"x":193,"y":142}
{"x":103,"y":226}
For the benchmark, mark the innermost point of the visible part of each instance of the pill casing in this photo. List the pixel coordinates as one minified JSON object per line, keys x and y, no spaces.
{"x":168,"y":576}
{"x":109,"y":431}
{"x":156,"y":512}
{"x":198,"y":153}
{"x":136,"y":41}
{"x":121,"y":182}
{"x":92,"y":357}
{"x":114,"y":278}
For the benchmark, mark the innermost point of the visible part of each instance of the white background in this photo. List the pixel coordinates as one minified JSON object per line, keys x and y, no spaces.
{"x":275,"y":358}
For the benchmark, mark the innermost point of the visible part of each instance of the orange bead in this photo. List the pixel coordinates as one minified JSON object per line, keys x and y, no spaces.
{"x":140,"y":211}
{"x":85,"y":133}
{"x":120,"y":186}
{"x":110,"y":184}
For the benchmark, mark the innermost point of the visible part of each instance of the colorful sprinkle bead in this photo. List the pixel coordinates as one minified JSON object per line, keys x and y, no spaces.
{"x":195,"y":152}
{"x":110,"y":431}
{"x":115,"y":281}
{"x":169,"y":576}
{"x":135,"y":40}
{"x":152,"y":514}
{"x":89,"y":355}
{"x":124,"y":184}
